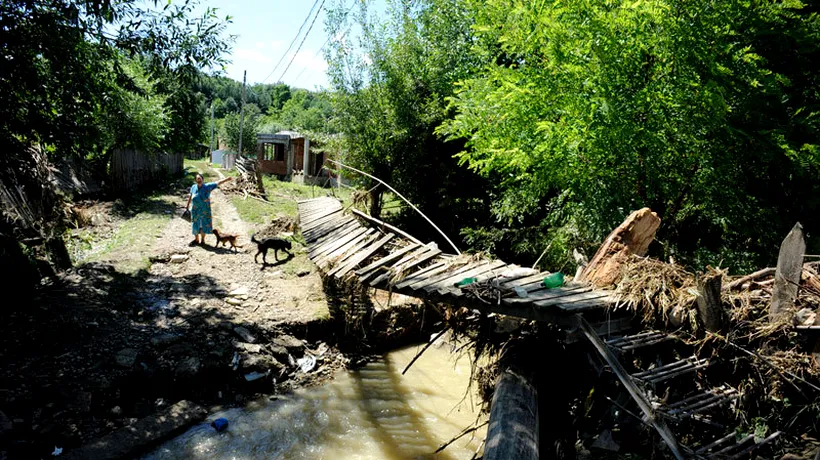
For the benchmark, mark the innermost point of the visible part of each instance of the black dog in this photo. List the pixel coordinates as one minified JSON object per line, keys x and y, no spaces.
{"x":277,"y":244}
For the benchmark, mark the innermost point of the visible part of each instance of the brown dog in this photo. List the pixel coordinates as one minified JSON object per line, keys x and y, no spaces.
{"x":222,"y":238}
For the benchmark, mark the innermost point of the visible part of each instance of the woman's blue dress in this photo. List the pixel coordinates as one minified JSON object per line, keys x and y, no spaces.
{"x":201,"y":218}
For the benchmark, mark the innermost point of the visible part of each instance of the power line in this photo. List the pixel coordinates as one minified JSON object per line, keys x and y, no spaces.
{"x":303,"y":40}
{"x":295,"y":38}
{"x":326,"y":42}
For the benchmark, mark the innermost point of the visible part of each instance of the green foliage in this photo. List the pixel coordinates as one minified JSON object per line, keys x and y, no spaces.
{"x":305,"y":111}
{"x":135,"y":118}
{"x":583,"y":112}
{"x":61,"y":73}
{"x":389,"y":97}
{"x":230,"y":130}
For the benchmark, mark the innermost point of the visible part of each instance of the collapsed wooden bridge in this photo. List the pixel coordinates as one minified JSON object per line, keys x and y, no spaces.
{"x":384,"y":257}
{"x":339,"y":245}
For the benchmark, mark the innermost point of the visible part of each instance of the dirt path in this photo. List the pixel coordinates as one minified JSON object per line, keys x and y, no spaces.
{"x":107,"y":343}
{"x":286,"y":292}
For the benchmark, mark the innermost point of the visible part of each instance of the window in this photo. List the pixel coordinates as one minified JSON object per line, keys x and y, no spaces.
{"x":274,"y":152}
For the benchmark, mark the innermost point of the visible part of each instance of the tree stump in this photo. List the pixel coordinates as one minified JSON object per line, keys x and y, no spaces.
{"x":788,"y":273}
{"x":710,"y":308}
{"x":633,"y":236}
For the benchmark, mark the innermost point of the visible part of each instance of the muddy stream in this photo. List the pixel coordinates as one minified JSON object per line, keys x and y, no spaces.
{"x":372,"y":412}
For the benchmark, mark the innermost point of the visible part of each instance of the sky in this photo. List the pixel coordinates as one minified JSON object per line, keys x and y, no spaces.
{"x":265,"y":30}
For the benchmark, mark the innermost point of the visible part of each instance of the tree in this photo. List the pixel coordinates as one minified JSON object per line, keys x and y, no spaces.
{"x":590,"y":110}
{"x":69,"y":79}
{"x":59,"y":72}
{"x":135,"y":118}
{"x":230,"y":130}
{"x":390,"y":96}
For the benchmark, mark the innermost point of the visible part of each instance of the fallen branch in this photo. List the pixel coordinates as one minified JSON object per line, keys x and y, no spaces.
{"x":750,"y":277}
{"x":403,"y":198}
{"x":459,"y":436}
{"x":418,"y":355}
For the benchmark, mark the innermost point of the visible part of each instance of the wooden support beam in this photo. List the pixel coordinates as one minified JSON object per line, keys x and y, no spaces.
{"x":634,"y":391}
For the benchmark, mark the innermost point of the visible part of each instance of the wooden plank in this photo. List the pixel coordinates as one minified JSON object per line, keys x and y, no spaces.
{"x":629,"y":338}
{"x":311,"y":220}
{"x":362,"y":256}
{"x":340,"y":254}
{"x":330,"y":228}
{"x":479,"y":278}
{"x":441,"y":276}
{"x":754,"y":447}
{"x":420,"y":260}
{"x":477,"y":270}
{"x":584,"y":305}
{"x":343,"y":244}
{"x":342,"y":258}
{"x":645,"y":343}
{"x":326,"y":261}
{"x":704,"y":405}
{"x":539,"y":277}
{"x":332,"y":237}
{"x":319,"y":207}
{"x":571,"y":298}
{"x":726,"y":450}
{"x":665,"y":367}
{"x":666,"y":375}
{"x":545,"y":294}
{"x":717,"y":443}
{"x":421,"y":274}
{"x":387,"y":259}
{"x":326,"y":249}
{"x":630,"y":386}
{"x":307,"y":227}
{"x":409,"y":260}
{"x":787,"y":275}
{"x":314,"y":232}
{"x":334,"y":234}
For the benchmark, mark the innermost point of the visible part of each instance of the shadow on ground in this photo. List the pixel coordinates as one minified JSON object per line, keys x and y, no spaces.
{"x":97,"y":349}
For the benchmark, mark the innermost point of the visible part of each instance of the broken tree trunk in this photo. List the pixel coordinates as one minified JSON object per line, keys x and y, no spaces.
{"x":787,"y":275}
{"x":513,"y":430}
{"x":633,"y":236}
{"x":710,"y":308}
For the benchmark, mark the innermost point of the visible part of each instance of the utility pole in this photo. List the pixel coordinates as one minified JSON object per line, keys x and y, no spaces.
{"x":242,"y":113}
{"x":211,"y":153}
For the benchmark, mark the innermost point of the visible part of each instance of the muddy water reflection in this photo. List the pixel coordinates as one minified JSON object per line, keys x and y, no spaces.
{"x":374,"y":412}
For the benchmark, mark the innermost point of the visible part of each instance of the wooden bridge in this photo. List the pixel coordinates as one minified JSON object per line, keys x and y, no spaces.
{"x":384,"y":257}
{"x":389,"y":259}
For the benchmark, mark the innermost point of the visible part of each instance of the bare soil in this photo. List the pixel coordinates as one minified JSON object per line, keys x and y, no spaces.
{"x":119,"y":338}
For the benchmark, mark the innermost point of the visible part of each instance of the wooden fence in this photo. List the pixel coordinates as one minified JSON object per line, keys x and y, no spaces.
{"x":132,"y":168}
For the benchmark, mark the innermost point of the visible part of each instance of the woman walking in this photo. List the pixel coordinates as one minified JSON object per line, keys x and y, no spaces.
{"x":201,"y":218}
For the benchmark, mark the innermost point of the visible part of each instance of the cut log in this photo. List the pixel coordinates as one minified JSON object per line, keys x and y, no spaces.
{"x":513,"y":429}
{"x":787,"y":275}
{"x":710,"y":308}
{"x":633,"y":236}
